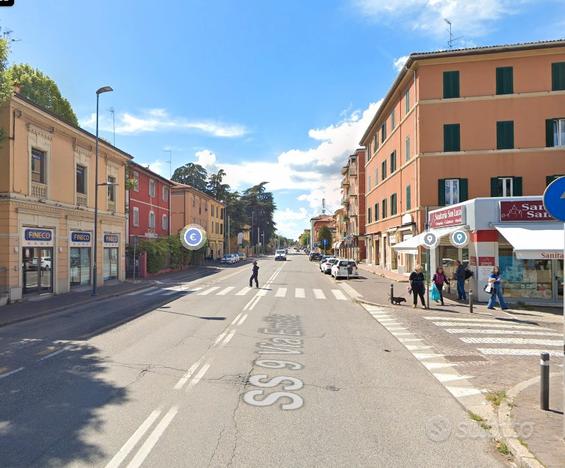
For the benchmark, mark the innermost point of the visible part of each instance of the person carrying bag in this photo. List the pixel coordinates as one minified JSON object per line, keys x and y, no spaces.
{"x":438,"y":280}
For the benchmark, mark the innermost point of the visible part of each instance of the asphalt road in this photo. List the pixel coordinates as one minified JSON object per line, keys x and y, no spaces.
{"x":213,"y":374}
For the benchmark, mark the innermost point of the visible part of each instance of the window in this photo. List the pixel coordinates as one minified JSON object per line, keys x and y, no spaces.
{"x":505,"y":135}
{"x":393,"y":203}
{"x":407,"y":101}
{"x":383,"y":132}
{"x":38,"y":159}
{"x":375,"y":142}
{"x":111,"y":189}
{"x":151,"y":188}
{"x":383,"y":210}
{"x":451,"y":191}
{"x":549,"y":179}
{"x":450,"y":84}
{"x":136,"y":181}
{"x":555,"y":132}
{"x":407,"y":148}
{"x":368,"y":182}
{"x":376,"y":175}
{"x":221,"y":228}
{"x":135,"y":216}
{"x":383,"y":170}
{"x":392,"y":162}
{"x":504,"y":80}
{"x":451,"y":137}
{"x":165,"y":193}
{"x":558,"y":76}
{"x":408,"y":198}
{"x":392,"y":121}
{"x":376,"y":211}
{"x":151,"y":220}
{"x":369,"y":218}
{"x":165,"y":222}
{"x":505,"y":186}
{"x":81,"y":179}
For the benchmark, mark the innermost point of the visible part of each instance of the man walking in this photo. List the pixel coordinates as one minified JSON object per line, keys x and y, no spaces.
{"x":460,"y":277}
{"x":254,"y":275}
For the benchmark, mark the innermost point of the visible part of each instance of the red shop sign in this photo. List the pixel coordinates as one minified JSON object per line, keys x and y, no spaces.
{"x":486,"y":261}
{"x":451,"y":216}
{"x":524,"y":210}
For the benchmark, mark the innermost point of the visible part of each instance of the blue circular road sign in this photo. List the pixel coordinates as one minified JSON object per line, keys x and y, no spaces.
{"x":193,"y":237}
{"x":554,"y":199}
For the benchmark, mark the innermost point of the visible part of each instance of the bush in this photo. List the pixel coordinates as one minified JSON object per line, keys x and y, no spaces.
{"x":157,"y":253}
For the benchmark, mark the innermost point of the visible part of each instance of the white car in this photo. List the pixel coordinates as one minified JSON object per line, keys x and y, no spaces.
{"x":242,"y":256}
{"x":280,"y":254}
{"x":345,"y":269}
{"x":326,"y":265}
{"x":236,"y":257}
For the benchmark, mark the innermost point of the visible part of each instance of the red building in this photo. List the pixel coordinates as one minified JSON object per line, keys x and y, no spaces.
{"x":149,"y":200}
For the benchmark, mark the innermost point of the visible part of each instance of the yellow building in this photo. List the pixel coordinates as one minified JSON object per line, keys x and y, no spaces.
{"x":191,"y":206}
{"x":47,"y":192}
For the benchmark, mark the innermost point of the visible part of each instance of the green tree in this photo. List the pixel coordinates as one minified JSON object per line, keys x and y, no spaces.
{"x":5,"y":79}
{"x":191,"y":174}
{"x":324,"y":234}
{"x":304,"y":239}
{"x":259,"y":206}
{"x":42,"y":90}
{"x":216,"y":187}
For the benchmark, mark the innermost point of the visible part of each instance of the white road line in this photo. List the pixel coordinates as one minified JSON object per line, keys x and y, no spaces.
{"x":187,"y":376}
{"x":225,"y":291}
{"x":349,"y":290}
{"x":472,"y":320}
{"x":339,"y":295}
{"x":228,"y":338}
{"x":318,"y":294}
{"x":438,"y":365}
{"x":459,"y":392}
{"x":299,"y":293}
{"x":198,"y":376}
{"x":244,"y":291}
{"x":516,"y":341}
{"x":450,"y":377}
{"x":409,"y":340}
{"x":133,"y":440}
{"x":208,"y":291}
{"x":517,"y":352}
{"x":220,"y":338}
{"x":54,"y":353}
{"x":254,"y":302}
{"x":153,"y":438}
{"x":281,"y":292}
{"x":15,"y":371}
{"x":140,"y":291}
{"x":242,"y":320}
{"x":170,"y":292}
{"x":480,"y":331}
{"x":422,"y":356}
{"x":236,"y":318}
{"x":263,"y":291}
{"x":417,"y":347}
{"x":489,"y":325}
{"x":157,"y":291}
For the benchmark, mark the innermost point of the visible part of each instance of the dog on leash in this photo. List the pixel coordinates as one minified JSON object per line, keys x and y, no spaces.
{"x":397,"y":300}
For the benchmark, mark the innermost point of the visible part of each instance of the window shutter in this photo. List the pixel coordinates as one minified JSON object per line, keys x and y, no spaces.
{"x":516,"y":186}
{"x":548,"y":179}
{"x":549,"y":133}
{"x":505,"y":135}
{"x":441,"y":192}
{"x":504,"y":80}
{"x":450,"y":84}
{"x":495,"y":187}
{"x":558,"y":76}
{"x":463,"y":189}
{"x":408,"y":198}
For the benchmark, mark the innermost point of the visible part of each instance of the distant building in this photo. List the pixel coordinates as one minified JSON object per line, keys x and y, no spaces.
{"x":316,"y":224}
{"x":353,"y":201}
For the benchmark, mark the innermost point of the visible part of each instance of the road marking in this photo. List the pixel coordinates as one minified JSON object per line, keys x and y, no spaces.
{"x":225,"y":291}
{"x":517,"y":352}
{"x":470,"y":331}
{"x":459,"y":392}
{"x":422,"y":356}
{"x":198,"y":376}
{"x":153,"y":438}
{"x":170,"y":292}
{"x":438,"y":365}
{"x":228,"y":338}
{"x":220,"y":338}
{"x":409,"y":340}
{"x":339,"y":295}
{"x":15,"y":371}
{"x":140,"y":291}
{"x":516,"y":341}
{"x":236,"y":318}
{"x":281,"y":292}
{"x":263,"y":291}
{"x":489,"y":325}
{"x":208,"y":291}
{"x":299,"y":293}
{"x":244,"y":291}
{"x":242,"y":320}
{"x":319,"y":294}
{"x":444,"y":378}
{"x":461,"y":319}
{"x":133,"y":440}
{"x":349,"y":290}
{"x":151,"y":293}
{"x":254,"y":302}
{"x":417,"y":347}
{"x":187,"y":376}
{"x":55,"y":353}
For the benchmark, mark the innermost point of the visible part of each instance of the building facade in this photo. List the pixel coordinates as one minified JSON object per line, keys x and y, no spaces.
{"x":457,"y":125}
{"x":148,"y":204}
{"x":191,"y":206}
{"x":316,"y":224}
{"x":340,"y":233}
{"x":353,"y":201}
{"x":47,"y":218}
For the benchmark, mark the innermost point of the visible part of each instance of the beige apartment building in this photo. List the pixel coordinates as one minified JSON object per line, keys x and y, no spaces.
{"x":458,"y":125}
{"x":47,"y":190}
{"x":191,"y":206}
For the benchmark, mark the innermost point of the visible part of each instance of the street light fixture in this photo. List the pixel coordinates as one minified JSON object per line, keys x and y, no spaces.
{"x":104,"y":89}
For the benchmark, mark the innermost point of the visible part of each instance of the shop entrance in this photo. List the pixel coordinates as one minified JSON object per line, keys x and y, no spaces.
{"x":37,"y":270}
{"x":80,"y":266}
{"x":110,"y":263}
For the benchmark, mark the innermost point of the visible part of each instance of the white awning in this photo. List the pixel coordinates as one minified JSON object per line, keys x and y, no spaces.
{"x":411,"y":245}
{"x":540,"y":241}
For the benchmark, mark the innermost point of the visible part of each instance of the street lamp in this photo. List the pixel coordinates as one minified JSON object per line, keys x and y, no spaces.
{"x":104,"y":89}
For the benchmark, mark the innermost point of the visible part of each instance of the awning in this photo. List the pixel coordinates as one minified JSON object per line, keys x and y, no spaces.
{"x":338,"y":244}
{"x":542,"y":241}
{"x":410,"y":246}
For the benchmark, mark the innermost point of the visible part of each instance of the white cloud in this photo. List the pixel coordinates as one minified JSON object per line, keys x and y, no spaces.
{"x":399,"y":62}
{"x":206,"y":159}
{"x":158,"y":120}
{"x":470,"y":18}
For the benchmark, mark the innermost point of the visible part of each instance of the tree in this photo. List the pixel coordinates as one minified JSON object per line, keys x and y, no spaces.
{"x":304,"y":239}
{"x":191,"y":174}
{"x":259,"y":206}
{"x":324,"y":234}
{"x":43,"y":91}
{"x":5,"y":79}
{"x":215,"y":186}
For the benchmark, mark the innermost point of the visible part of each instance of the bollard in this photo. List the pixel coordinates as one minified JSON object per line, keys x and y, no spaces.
{"x":391,"y":292}
{"x":471,"y":301}
{"x":544,"y":381}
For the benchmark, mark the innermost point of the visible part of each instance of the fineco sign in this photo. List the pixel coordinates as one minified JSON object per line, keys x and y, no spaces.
{"x":37,"y":237}
{"x":526,"y":210}
{"x":193,"y":237}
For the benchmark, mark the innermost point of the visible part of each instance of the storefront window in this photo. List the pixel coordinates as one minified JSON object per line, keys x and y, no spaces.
{"x":80,"y":266}
{"x":449,"y":255}
{"x":528,"y":279}
{"x":110,"y":263}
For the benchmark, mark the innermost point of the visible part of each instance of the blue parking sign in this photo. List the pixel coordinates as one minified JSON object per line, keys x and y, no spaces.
{"x":554,"y":199}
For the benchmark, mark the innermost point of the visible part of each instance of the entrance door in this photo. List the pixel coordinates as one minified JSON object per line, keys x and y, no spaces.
{"x":558,"y":280}
{"x":38,"y":269}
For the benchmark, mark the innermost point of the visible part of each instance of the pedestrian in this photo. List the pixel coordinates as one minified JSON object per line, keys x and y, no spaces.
{"x":460,"y":277}
{"x":254,"y":275}
{"x":417,"y":285}
{"x":439,"y":280}
{"x":494,"y":281}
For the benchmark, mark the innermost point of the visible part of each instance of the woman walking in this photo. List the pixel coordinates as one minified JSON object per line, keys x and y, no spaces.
{"x":496,"y":290}
{"x":439,"y":280}
{"x":417,"y":286}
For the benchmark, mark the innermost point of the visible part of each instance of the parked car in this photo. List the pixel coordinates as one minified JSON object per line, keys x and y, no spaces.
{"x":326,"y":267}
{"x":345,"y":269}
{"x":236,"y":257}
{"x":315,"y":256}
{"x":280,"y":254}
{"x":228,"y":259}
{"x":242,"y":256}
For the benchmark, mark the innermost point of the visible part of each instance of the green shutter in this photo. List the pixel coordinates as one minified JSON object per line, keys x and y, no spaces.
{"x":463,"y":189}
{"x":408,"y":200}
{"x":369,"y":215}
{"x":558,"y":76}
{"x":376,"y":211}
{"x":504,"y":80}
{"x":441,"y":192}
{"x":450,"y":84}
{"x":451,"y":137}
{"x":505,"y":135}
{"x":495,"y":188}
{"x":516,"y":186}
{"x":549,"y":179}
{"x":549,"y":133}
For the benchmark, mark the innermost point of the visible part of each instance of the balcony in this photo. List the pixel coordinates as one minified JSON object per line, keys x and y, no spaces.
{"x":353,"y":171}
{"x":111,"y":205}
{"x":38,"y":190}
{"x":82,"y":199}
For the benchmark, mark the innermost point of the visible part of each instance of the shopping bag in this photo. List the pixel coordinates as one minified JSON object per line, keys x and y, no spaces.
{"x":488,"y":288}
{"x":435,"y":293}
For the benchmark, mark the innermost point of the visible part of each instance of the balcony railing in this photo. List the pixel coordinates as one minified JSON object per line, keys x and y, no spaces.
{"x":38,"y":190}
{"x":353,"y":171}
{"x":82,"y":199}
{"x":111,"y":205}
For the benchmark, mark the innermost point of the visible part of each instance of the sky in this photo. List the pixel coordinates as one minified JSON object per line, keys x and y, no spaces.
{"x":269,"y":90}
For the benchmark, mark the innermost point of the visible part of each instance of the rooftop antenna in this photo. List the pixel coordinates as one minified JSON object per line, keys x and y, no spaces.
{"x":323,"y":206}
{"x":170,"y":151}
{"x":111,"y":110}
{"x":452,"y":39}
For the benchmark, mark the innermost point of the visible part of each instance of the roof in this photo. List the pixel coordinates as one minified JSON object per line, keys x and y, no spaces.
{"x":152,"y":173}
{"x":470,"y":51}
{"x":178,"y":187}
{"x":101,"y":141}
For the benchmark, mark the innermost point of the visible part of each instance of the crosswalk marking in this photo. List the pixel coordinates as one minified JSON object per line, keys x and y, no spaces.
{"x":339,"y":295}
{"x":319,"y":294}
{"x":281,"y":292}
{"x":461,"y":319}
{"x":489,"y":331}
{"x":151,"y":293}
{"x":169,"y":292}
{"x":263,"y":292}
{"x":299,"y":293}
{"x":224,"y":291}
{"x":489,"y":325}
{"x":208,"y":291}
{"x":516,"y":341}
{"x":517,"y":352}
{"x":244,"y":291}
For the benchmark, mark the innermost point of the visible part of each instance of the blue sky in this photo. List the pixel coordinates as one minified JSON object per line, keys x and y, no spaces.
{"x":268,"y":90}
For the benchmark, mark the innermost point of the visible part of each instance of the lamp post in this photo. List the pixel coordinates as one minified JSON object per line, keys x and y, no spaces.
{"x":104,"y":89}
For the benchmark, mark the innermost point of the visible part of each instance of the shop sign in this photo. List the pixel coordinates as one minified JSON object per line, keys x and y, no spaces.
{"x":80,"y":239}
{"x":473,"y":261}
{"x":486,"y":261}
{"x":525,"y":210}
{"x":37,"y":237}
{"x":111,"y":240}
{"x":539,"y":255}
{"x":450,"y":216}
